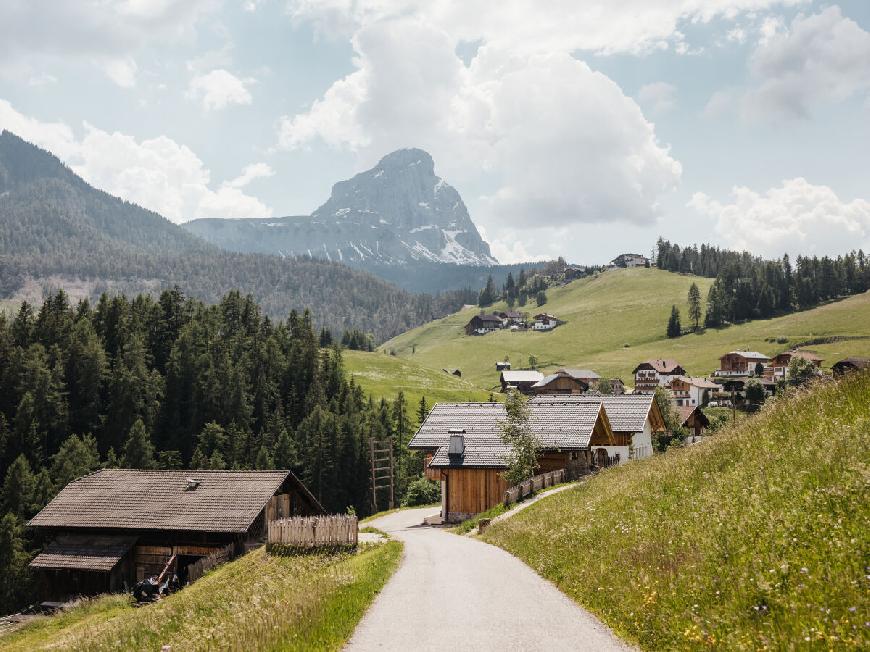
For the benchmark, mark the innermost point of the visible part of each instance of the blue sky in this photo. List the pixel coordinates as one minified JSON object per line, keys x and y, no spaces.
{"x":570,"y":128}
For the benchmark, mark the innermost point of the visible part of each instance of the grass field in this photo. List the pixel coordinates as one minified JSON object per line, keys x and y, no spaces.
{"x":258,"y":602}
{"x":383,"y":376}
{"x":755,"y":539}
{"x":618,"y":319}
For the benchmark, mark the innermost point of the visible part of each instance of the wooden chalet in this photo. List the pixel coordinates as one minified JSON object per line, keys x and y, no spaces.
{"x":650,"y":374}
{"x":689,"y":391}
{"x":586,"y":376}
{"x":521,"y":380}
{"x":740,"y":363}
{"x":848,"y":365}
{"x":634,"y":418}
{"x":693,"y":419}
{"x":560,"y":382}
{"x":464,"y":450}
{"x":778,"y":366}
{"x":482,"y":324}
{"x":110,"y":529}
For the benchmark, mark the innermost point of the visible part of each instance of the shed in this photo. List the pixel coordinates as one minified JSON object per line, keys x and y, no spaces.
{"x":109,"y":529}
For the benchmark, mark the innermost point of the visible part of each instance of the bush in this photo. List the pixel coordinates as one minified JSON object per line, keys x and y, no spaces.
{"x":422,"y":492}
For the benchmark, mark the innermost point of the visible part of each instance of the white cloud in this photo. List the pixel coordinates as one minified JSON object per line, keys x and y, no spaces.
{"x":527,"y":26}
{"x":43,"y":79}
{"x":218,"y":89}
{"x":820,"y":58}
{"x":93,"y":27}
{"x":658,"y":97}
{"x":121,"y":71}
{"x":157,"y":173}
{"x":797,"y":217}
{"x":251,"y":172}
{"x":555,"y":142}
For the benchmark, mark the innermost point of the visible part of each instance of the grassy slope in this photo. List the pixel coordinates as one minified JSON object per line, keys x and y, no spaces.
{"x":383,"y":376}
{"x":258,"y":602}
{"x":755,"y":539}
{"x":625,"y":307}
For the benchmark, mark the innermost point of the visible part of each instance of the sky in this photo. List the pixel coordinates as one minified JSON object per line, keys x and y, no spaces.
{"x":575,"y":128}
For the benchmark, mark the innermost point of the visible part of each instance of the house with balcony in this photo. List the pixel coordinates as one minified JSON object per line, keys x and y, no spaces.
{"x":655,"y":373}
{"x":741,"y":364}
{"x":689,"y":391}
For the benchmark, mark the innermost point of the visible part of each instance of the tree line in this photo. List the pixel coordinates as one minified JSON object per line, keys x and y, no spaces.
{"x":174,"y":383}
{"x":749,"y":287}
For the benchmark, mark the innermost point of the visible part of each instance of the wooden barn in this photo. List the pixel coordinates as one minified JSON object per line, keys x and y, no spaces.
{"x":560,"y":382}
{"x":464,"y":450}
{"x":108,"y":530}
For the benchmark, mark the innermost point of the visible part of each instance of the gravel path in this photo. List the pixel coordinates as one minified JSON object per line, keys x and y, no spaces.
{"x":455,"y":593}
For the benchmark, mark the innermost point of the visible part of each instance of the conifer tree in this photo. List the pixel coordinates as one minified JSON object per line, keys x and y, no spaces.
{"x":674,"y":328}
{"x":76,"y":457}
{"x":695,"y":305}
{"x":138,"y":449}
{"x":18,"y":489}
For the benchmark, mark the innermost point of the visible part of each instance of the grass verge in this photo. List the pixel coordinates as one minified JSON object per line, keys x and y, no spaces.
{"x":755,"y":539}
{"x":258,"y":602}
{"x":387,"y":512}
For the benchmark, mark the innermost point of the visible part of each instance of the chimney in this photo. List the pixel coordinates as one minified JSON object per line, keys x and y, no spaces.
{"x":457,"y":443}
{"x":192,"y":484}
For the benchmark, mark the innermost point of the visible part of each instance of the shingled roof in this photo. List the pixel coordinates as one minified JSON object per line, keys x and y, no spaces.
{"x":223,"y":501}
{"x":84,"y":552}
{"x":662,"y":366}
{"x":555,"y":423}
{"x":626,"y":412}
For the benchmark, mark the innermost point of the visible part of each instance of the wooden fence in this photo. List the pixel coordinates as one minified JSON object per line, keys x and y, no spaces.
{"x":538,"y":482}
{"x":314,"y":531}
{"x":199,"y":568}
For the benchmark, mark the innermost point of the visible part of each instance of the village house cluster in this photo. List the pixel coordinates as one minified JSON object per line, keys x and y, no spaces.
{"x":511,"y":320}
{"x":465,"y":453}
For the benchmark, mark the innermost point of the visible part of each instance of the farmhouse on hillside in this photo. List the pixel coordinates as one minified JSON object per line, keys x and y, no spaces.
{"x":483,"y":324}
{"x":689,"y":391}
{"x":545,"y":322}
{"x":736,"y":364}
{"x":634,"y":418}
{"x":848,"y":365}
{"x":560,"y":382}
{"x":584,"y":375}
{"x":630,"y":260}
{"x":112,"y":528}
{"x":777,"y":369}
{"x":464,"y":450}
{"x":655,"y":373}
{"x":520,"y":380}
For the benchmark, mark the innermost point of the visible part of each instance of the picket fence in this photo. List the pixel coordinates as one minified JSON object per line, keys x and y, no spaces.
{"x":530,"y":486}
{"x":314,"y":531}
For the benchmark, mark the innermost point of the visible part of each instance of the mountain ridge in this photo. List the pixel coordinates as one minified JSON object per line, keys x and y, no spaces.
{"x":398,"y":212}
{"x":58,"y":232}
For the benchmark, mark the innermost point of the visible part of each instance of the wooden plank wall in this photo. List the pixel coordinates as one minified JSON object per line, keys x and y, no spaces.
{"x":552,"y":461}
{"x":471,"y":491}
{"x":150,"y":560}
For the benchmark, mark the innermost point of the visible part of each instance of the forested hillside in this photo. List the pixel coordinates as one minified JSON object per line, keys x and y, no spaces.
{"x":59,"y":231}
{"x":174,"y":383}
{"x":749,"y":287}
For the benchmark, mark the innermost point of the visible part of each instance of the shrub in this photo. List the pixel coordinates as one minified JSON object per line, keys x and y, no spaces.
{"x":422,"y":492}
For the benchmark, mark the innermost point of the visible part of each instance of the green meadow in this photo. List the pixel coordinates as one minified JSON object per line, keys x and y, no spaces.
{"x":755,"y":539}
{"x":617,"y":319}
